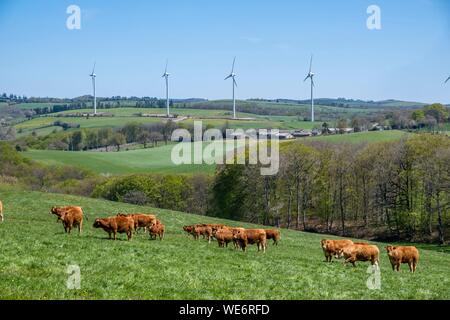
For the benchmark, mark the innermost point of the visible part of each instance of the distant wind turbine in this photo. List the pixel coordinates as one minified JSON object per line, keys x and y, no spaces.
{"x":311,"y":76}
{"x":234,"y":84}
{"x":166,"y":75}
{"x":447,"y":80}
{"x":93,"y":75}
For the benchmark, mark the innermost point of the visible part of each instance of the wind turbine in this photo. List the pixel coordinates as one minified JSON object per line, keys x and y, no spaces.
{"x":311,"y":76}
{"x":234,"y":84}
{"x":93,"y":75}
{"x":166,"y":75}
{"x":447,"y":80}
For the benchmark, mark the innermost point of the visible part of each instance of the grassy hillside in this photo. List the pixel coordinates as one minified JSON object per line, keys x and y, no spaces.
{"x":364,"y":137}
{"x":156,"y":160}
{"x":44,"y":125}
{"x":36,"y":253}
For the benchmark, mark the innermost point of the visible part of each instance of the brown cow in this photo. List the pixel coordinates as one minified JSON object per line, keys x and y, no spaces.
{"x":401,"y":254}
{"x":1,"y":212}
{"x":224,"y":236}
{"x":225,"y":232}
{"x":204,"y":230}
{"x":331,"y":247}
{"x":116,"y":224}
{"x":360,"y":252}
{"x":189,"y":230}
{"x":141,"y":220}
{"x":273,"y":234}
{"x":157,"y":229}
{"x":70,"y":216}
{"x":244,"y":237}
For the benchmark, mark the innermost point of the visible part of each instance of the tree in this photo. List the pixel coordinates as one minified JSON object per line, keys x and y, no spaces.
{"x":117,"y":140}
{"x":155,"y":137}
{"x":437,"y":111}
{"x":325,"y":128}
{"x":144,"y":138}
{"x":77,"y":140}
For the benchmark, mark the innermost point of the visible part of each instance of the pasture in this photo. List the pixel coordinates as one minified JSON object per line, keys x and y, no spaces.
{"x":36,"y":253}
{"x":364,"y":137}
{"x":150,"y":160}
{"x":158,"y":159}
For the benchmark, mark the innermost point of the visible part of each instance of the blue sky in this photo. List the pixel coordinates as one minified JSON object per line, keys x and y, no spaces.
{"x":407,"y":59}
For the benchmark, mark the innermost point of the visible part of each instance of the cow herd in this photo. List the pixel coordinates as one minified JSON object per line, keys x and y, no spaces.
{"x":240,"y":237}
{"x":72,"y":217}
{"x":361,"y":251}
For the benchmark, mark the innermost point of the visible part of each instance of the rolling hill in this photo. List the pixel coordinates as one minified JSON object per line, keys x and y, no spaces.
{"x":36,"y":254}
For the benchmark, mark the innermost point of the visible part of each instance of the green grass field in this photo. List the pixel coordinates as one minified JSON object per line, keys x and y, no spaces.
{"x":150,"y":160}
{"x":36,"y":253}
{"x":364,"y":137}
{"x":158,"y":160}
{"x":122,"y":116}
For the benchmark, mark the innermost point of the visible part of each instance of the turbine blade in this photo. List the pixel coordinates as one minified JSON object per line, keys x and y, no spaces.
{"x":167,"y":62}
{"x":228,"y":77}
{"x":447,"y":80}
{"x":93,"y":69}
{"x":235,"y":83}
{"x":232,"y":68}
{"x":306,"y":78}
{"x":310,"y":64}
{"x":312,"y":83}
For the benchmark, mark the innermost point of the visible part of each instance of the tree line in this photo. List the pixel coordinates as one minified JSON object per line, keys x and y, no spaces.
{"x":387,"y":190}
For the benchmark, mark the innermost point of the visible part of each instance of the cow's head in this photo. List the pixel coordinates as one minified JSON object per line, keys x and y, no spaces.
{"x":323,"y":243}
{"x":97,"y":223}
{"x":216,"y":228}
{"x":389,"y":249}
{"x":237,"y":233}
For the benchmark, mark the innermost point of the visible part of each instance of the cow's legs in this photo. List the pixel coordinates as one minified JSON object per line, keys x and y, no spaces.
{"x":80,"y":227}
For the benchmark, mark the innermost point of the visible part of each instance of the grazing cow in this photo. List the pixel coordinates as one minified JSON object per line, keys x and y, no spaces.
{"x":401,"y":254}
{"x":331,"y":247}
{"x":70,"y":216}
{"x":1,"y":212}
{"x":116,"y":224}
{"x":204,"y":230}
{"x":360,"y":252}
{"x":244,"y":237}
{"x":273,"y":234}
{"x":141,"y":220}
{"x":189,"y":230}
{"x":157,"y":229}
{"x":224,"y":236}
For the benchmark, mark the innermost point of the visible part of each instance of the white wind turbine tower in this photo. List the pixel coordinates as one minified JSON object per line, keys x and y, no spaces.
{"x":93,"y":75}
{"x":311,"y":76}
{"x":166,"y":75}
{"x":234,"y":84}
